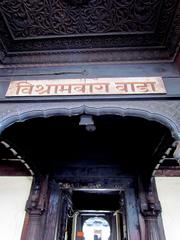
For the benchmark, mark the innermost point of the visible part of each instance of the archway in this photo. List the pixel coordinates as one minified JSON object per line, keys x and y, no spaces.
{"x":65,"y":156}
{"x":134,"y":144}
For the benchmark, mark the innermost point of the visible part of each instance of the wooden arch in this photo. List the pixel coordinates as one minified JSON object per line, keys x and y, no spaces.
{"x":156,"y":114}
{"x":147,"y":111}
{"x":39,"y":202}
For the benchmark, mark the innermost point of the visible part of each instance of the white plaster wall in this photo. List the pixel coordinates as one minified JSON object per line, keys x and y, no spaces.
{"x":14,"y":192}
{"x":169,"y":194}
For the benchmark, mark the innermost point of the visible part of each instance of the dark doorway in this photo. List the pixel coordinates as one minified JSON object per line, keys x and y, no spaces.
{"x":97,"y":215}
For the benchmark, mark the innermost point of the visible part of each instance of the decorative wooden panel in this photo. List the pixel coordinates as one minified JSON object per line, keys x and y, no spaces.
{"x":89,"y":30}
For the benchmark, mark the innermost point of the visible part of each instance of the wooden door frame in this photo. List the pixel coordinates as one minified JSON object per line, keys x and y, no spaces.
{"x":45,"y":215}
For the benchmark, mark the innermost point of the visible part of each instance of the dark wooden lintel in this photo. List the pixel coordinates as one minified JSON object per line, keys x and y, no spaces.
{"x":8,"y":168}
{"x":168,"y":172}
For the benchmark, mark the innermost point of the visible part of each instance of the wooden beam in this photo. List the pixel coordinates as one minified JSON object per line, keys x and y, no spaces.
{"x":168,"y":172}
{"x":8,"y":168}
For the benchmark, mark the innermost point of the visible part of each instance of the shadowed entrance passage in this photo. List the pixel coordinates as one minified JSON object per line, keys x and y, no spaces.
{"x":88,"y":171}
{"x":61,"y":147}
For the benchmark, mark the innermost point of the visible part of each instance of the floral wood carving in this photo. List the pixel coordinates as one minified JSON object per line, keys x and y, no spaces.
{"x":68,"y":31}
{"x":77,"y":2}
{"x":58,"y":18}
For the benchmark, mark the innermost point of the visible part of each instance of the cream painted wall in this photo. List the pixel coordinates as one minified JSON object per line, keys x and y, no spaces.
{"x":169,"y":194}
{"x":14,"y":192}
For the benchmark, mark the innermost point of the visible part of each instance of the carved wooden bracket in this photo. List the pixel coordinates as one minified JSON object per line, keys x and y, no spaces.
{"x":151,"y":208}
{"x":36,"y":203}
{"x":35,"y":207}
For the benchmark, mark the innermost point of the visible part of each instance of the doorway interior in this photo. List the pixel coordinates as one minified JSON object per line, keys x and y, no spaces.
{"x":97,"y":215}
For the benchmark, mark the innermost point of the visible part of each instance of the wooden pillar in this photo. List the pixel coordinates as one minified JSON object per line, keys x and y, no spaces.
{"x":151,"y":211}
{"x":51,"y":229}
{"x":48,"y":208}
{"x":35,"y":208}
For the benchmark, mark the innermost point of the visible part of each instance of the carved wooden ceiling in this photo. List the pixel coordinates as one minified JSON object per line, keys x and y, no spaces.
{"x":59,"y":31}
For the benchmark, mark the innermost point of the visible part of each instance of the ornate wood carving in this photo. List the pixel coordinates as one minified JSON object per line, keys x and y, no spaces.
{"x":43,"y":223}
{"x":150,"y":209}
{"x":78,"y":2}
{"x":27,"y":19}
{"x":47,"y":208}
{"x":37,"y":200}
{"x":93,"y":31}
{"x":35,"y":208}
